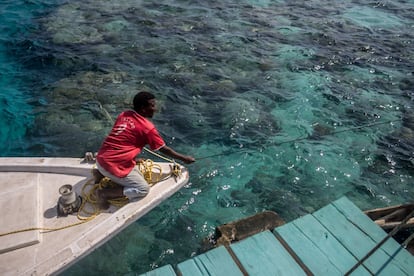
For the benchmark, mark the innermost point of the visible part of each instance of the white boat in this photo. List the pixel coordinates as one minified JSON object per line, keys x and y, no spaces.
{"x":34,"y":207}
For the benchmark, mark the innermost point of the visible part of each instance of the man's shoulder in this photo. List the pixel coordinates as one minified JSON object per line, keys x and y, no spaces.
{"x":137,"y":118}
{"x":128,"y":112}
{"x":132,"y":114}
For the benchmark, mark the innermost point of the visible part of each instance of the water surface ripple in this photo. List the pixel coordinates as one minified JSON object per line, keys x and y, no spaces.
{"x":288,"y":105}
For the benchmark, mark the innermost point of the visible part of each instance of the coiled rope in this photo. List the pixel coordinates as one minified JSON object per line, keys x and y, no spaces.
{"x":175,"y":168}
{"x":227,"y":152}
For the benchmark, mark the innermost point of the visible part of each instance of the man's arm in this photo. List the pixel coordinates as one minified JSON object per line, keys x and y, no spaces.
{"x":173,"y":154}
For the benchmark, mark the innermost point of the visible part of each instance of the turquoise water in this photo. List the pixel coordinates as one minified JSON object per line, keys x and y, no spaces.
{"x":287,"y":105}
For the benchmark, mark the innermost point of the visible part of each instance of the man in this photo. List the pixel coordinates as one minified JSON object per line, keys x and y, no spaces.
{"x":116,"y":157}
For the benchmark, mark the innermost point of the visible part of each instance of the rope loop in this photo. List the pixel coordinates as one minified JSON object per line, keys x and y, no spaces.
{"x":152,"y":172}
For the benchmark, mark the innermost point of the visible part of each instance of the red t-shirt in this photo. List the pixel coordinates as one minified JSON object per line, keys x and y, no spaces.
{"x":130,"y":133}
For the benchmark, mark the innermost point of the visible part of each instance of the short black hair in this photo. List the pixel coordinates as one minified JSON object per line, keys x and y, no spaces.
{"x":141,"y":99}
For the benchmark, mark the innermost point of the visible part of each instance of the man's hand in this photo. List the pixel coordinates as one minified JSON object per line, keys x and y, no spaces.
{"x":189,"y":159}
{"x":172,"y":153}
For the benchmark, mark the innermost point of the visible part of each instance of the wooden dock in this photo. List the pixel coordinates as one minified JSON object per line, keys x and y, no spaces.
{"x":335,"y":240}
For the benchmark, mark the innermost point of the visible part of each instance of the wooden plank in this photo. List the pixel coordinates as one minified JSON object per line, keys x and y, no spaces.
{"x":401,"y":256}
{"x":262,"y":254}
{"x":217,"y":261}
{"x":166,"y":270}
{"x":318,"y":249}
{"x":310,"y":255}
{"x":350,"y":211}
{"x":190,"y":267}
{"x":357,"y":242}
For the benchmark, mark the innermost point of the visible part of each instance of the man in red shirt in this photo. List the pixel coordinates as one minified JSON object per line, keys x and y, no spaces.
{"x":116,"y":158}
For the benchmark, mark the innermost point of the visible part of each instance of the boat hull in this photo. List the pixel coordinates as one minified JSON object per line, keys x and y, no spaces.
{"x":29,"y":189}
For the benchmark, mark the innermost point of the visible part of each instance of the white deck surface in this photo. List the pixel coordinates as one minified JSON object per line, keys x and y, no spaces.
{"x":28,"y":198}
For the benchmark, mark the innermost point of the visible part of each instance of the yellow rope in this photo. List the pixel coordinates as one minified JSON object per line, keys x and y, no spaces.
{"x":146,"y":167}
{"x":160,"y":156}
{"x":40,"y":228}
{"x":86,"y":197}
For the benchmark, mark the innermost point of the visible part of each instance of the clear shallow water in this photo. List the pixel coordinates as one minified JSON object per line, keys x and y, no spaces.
{"x":271,"y":96}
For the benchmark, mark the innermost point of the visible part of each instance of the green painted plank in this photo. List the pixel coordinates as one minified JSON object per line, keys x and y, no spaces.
{"x":357,"y":242}
{"x":308,"y":253}
{"x":262,"y":254}
{"x":402,"y":258}
{"x":166,"y":270}
{"x":321,"y":252}
{"x":362,"y":221}
{"x":217,"y":261}
{"x":392,"y":248}
{"x":190,"y":267}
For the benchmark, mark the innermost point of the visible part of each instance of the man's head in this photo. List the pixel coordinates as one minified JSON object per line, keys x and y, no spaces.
{"x":144,"y":104}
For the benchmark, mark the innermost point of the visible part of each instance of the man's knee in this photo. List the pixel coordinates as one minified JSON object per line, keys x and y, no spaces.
{"x":144,"y":190}
{"x":136,"y":192}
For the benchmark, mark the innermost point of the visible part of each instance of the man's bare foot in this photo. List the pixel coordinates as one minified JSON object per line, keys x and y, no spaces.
{"x":102,"y":200}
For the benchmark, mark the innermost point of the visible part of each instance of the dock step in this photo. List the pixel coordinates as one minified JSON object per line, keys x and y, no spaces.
{"x":328,"y":242}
